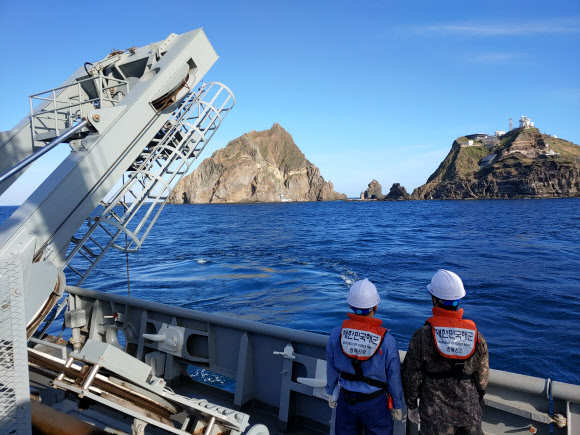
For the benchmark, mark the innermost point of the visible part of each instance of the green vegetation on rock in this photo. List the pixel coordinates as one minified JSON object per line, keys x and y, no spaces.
{"x":467,"y":161}
{"x":461,"y":161}
{"x":528,"y":164}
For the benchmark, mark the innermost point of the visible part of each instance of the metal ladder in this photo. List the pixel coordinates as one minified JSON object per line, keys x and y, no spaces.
{"x":150,"y":180}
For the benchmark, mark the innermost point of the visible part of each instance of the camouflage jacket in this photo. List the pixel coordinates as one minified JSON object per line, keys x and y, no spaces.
{"x":447,"y":400}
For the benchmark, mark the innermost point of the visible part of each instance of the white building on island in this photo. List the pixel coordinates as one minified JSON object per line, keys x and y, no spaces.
{"x":526,"y":122}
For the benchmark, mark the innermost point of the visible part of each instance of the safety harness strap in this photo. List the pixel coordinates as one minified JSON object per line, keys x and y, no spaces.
{"x":352,"y":398}
{"x":456,"y":372}
{"x":357,"y":366}
{"x":444,"y":375}
{"x":372,"y":382}
{"x":358,"y":376}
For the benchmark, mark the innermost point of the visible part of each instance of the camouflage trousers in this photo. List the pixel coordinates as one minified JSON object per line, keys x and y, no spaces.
{"x":428,"y":428}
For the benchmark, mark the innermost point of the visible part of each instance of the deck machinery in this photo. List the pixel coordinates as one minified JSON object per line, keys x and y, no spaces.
{"x":135,"y":121}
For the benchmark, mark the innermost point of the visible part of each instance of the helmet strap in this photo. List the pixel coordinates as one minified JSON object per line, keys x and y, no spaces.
{"x":363,"y":311}
{"x":446,"y":305}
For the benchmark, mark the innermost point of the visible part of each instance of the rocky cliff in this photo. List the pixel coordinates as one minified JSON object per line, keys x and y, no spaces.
{"x":523,"y":163}
{"x":374,"y":191}
{"x":397,"y":193}
{"x":260,"y":166}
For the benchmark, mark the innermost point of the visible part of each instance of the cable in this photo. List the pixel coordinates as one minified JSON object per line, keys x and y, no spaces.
{"x":126,"y":251}
{"x":127,"y":258}
{"x":550,"y":406}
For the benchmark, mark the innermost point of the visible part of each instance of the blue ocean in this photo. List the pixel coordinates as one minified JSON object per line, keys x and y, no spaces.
{"x":291,"y":264}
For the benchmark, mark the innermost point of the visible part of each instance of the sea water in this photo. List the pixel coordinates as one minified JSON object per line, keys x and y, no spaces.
{"x":291,"y":264}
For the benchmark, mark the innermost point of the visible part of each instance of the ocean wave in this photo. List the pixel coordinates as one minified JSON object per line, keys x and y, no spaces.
{"x":293,"y":266}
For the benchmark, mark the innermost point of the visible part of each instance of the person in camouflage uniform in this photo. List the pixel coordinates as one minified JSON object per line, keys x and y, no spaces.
{"x":448,"y":382}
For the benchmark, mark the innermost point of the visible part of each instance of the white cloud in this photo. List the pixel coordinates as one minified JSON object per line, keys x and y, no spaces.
{"x":517,"y":28}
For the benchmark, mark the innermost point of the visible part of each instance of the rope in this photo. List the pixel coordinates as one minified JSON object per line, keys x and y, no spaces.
{"x":128,"y":280}
{"x":550,"y":406}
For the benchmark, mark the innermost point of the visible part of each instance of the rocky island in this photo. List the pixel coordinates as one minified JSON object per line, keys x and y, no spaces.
{"x":260,"y":166}
{"x":267,"y":166}
{"x":522,"y":163}
{"x":375,"y":191}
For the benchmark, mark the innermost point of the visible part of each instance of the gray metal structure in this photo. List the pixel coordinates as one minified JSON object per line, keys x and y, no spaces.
{"x":14,"y":389}
{"x":135,"y":124}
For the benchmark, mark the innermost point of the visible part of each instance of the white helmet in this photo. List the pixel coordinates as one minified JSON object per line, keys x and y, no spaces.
{"x":363,"y":294}
{"x":446,"y":285}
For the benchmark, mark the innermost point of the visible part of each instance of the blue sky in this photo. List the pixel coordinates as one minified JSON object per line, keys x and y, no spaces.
{"x":368,"y":89}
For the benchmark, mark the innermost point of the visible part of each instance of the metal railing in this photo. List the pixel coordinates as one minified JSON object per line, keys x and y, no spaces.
{"x":65,"y":105}
{"x":235,"y":348}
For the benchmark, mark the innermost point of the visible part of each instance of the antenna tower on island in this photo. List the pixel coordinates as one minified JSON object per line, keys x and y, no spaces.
{"x":511,"y":125}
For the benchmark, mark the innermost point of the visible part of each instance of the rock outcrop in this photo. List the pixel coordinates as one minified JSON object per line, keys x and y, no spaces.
{"x":523,"y":163}
{"x":374,"y":191}
{"x":397,"y":193}
{"x":260,"y":166}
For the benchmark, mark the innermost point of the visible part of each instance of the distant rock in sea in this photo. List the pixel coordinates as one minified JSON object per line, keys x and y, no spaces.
{"x":522,"y":163}
{"x":260,"y":166}
{"x":374,"y":191}
{"x":397,"y":193}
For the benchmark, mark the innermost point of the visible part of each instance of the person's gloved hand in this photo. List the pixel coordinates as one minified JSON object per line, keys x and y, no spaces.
{"x":397,"y":414}
{"x":481,"y":394}
{"x":331,"y":403}
{"x":414,"y":416}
